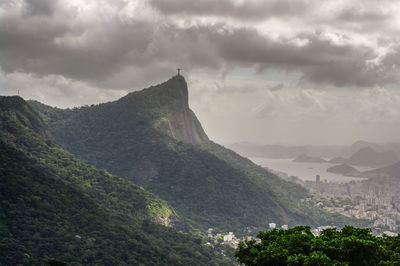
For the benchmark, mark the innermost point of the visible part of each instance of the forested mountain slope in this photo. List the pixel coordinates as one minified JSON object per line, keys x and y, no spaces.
{"x":152,"y":138}
{"x":53,"y":206}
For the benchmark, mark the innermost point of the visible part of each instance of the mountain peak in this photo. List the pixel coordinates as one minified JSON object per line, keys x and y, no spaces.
{"x":366,"y":149}
{"x":22,"y":113}
{"x":176,"y":119}
{"x":171,"y":94}
{"x":362,"y":143}
{"x":167,"y":107}
{"x":176,"y":87}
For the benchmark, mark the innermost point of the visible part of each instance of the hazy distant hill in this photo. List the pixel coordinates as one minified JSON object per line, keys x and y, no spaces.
{"x":327,"y":151}
{"x":54,"y":206}
{"x":308,"y":159}
{"x":392,"y":171}
{"x":152,"y":138}
{"x":369,"y":157}
{"x":343,"y":169}
{"x":391,"y":146}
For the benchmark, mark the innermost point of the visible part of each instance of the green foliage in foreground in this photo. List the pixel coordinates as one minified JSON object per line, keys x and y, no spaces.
{"x":298,"y":246}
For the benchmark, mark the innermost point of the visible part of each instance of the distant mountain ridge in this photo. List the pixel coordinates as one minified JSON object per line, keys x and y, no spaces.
{"x":151,"y":138}
{"x":369,"y":157}
{"x":379,"y":147}
{"x":364,"y":157}
{"x":343,"y":169}
{"x":328,"y":151}
{"x":391,"y":171}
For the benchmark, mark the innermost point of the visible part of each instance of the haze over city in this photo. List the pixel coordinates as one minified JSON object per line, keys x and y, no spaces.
{"x":309,"y":72}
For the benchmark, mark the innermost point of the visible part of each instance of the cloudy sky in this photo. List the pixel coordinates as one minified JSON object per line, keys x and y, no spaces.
{"x":288,"y":72}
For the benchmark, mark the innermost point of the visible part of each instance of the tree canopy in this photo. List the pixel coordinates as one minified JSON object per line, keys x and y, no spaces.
{"x":298,"y":246}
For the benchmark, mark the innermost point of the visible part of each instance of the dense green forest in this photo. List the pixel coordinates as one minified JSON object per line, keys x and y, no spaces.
{"x":55,"y":207}
{"x":139,"y":137}
{"x":298,"y":246}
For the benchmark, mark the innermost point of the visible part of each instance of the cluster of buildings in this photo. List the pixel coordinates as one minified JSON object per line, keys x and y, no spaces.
{"x":272,"y":226}
{"x":383,"y":213}
{"x":375,"y":199}
{"x":231,"y":240}
{"x":227,"y":239}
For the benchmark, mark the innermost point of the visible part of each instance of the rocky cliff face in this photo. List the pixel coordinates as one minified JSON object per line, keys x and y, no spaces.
{"x":177,"y":120}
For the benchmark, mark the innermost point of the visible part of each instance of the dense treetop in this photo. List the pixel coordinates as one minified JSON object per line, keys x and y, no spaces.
{"x":298,"y":246}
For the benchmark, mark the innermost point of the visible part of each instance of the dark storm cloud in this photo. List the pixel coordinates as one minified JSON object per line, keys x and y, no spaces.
{"x":368,"y":11}
{"x":44,"y":45}
{"x":246,"y":10}
{"x":367,"y":16}
{"x":106,"y":51}
{"x":357,"y":15}
{"x":374,"y":19}
{"x":320,"y":60}
{"x":100,"y":50}
{"x":40,"y":7}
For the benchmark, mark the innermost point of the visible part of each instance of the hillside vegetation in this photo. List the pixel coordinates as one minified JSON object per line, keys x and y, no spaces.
{"x":53,"y":206}
{"x":153,"y":139}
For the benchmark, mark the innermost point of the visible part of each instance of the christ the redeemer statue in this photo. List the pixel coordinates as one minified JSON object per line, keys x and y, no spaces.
{"x":179,"y":71}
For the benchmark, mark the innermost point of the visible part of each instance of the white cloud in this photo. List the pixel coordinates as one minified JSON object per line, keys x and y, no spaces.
{"x":55,"y":90}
